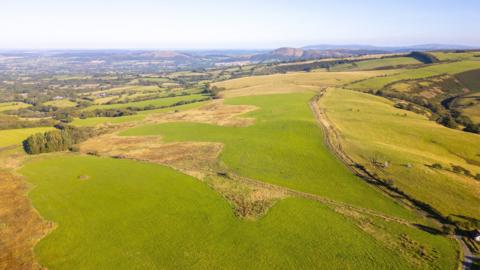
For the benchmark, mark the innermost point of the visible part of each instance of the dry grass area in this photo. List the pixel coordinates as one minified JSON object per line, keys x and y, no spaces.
{"x":213,"y":113}
{"x":249,"y":200}
{"x":193,"y":158}
{"x":291,"y":82}
{"x":20,"y":225}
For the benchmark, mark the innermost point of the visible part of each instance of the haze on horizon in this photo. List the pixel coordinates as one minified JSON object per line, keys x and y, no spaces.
{"x":186,"y":24}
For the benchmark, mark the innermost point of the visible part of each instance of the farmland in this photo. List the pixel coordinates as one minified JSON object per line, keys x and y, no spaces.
{"x":276,"y":152}
{"x":6,"y":106}
{"x":233,"y":167}
{"x":167,"y":101}
{"x":410,"y":74}
{"x":188,"y":225}
{"x":428,"y":143}
{"x":384,"y":63}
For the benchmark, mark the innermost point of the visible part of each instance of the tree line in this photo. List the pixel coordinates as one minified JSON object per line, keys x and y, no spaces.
{"x":63,"y":138}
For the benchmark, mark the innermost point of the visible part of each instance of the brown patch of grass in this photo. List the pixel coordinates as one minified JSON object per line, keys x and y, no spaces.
{"x":249,"y":201}
{"x":213,"y":113}
{"x":193,"y":158}
{"x":20,"y":225}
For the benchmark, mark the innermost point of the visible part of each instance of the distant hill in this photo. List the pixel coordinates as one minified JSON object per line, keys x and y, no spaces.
{"x":421,"y":47}
{"x":291,"y":54}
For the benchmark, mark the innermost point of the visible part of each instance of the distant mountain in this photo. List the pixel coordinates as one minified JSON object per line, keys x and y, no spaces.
{"x":421,"y":47}
{"x":291,"y":54}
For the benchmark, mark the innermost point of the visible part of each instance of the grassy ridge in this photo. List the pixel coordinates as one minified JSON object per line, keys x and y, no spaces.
{"x":410,"y":74}
{"x":373,"y":129}
{"x":292,"y":82}
{"x":376,"y":63}
{"x":120,"y":214}
{"x":283,"y":147}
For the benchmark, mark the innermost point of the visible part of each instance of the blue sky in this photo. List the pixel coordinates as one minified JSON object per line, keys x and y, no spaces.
{"x":184,"y":24}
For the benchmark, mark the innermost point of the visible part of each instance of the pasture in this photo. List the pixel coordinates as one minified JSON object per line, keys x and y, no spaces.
{"x":378,"y":83}
{"x":167,"y":101}
{"x":291,"y":82}
{"x":373,"y":132}
{"x":390,"y":62}
{"x":284,"y":147}
{"x":141,"y":115}
{"x":7,"y":106}
{"x":61,"y":103}
{"x":157,"y":218}
{"x":10,"y":137}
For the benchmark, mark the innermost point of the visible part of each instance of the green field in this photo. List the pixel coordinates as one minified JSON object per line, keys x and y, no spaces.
{"x":376,"y":63}
{"x":16,"y":136}
{"x":411,"y":74}
{"x":154,"y":102}
{"x":6,"y":106}
{"x":448,"y":56}
{"x":120,"y":214}
{"x":374,"y":130}
{"x":61,"y":103}
{"x":470,"y":79}
{"x":284,"y":147}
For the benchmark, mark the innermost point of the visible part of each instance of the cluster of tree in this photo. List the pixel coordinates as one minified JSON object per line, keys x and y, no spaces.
{"x":212,"y":90}
{"x":61,"y":139}
{"x":106,"y":113}
{"x":424,"y":57}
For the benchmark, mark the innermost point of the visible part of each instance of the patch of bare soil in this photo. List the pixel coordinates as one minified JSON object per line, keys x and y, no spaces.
{"x":193,"y":158}
{"x":213,"y":113}
{"x":20,"y":225}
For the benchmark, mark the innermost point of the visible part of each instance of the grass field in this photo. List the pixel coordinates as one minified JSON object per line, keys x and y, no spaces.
{"x":134,"y":88}
{"x":410,"y":74}
{"x":154,"y":102}
{"x":473,"y":112}
{"x":375,"y":64}
{"x":6,"y":106}
{"x":284,"y":147}
{"x":470,"y":79}
{"x":16,"y":136}
{"x":445,"y":56}
{"x":157,"y":218}
{"x":374,"y":130}
{"x":131,"y":118}
{"x":61,"y":103}
{"x":291,"y":82}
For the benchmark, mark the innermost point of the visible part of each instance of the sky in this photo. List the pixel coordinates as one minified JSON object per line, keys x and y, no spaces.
{"x":240,"y":24}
